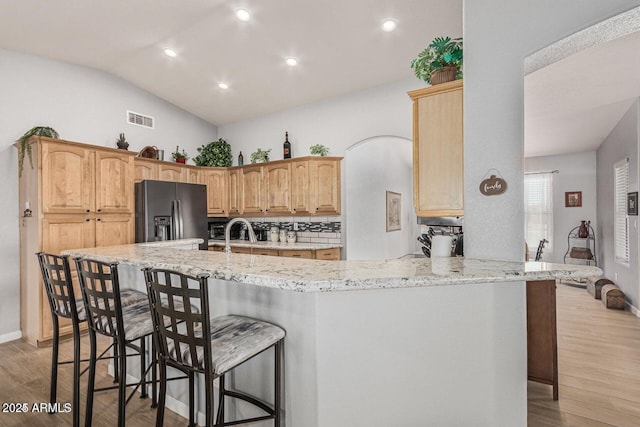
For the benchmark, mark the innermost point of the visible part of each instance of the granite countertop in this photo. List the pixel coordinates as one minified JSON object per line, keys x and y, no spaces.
{"x":267,"y":244}
{"x":306,"y":275}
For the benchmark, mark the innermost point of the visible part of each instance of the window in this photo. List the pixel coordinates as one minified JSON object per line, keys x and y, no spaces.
{"x":538,"y":209}
{"x":621,"y":223}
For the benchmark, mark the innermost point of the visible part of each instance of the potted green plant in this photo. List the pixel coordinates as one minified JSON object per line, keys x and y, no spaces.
{"x":260,"y":156}
{"x":25,"y":148}
{"x":440,"y":62}
{"x":215,"y":154}
{"x":121,"y":142}
{"x":180,"y":157}
{"x":319,"y":150}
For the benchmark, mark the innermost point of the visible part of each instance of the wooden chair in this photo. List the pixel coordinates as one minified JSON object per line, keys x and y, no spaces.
{"x":57,"y":282}
{"x":192,"y":342}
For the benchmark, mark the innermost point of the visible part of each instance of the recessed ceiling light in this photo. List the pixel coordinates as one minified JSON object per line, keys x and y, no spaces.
{"x":170,"y":52}
{"x":243,"y":14}
{"x":292,"y":62}
{"x":389,"y":25}
{"x":222,"y":85}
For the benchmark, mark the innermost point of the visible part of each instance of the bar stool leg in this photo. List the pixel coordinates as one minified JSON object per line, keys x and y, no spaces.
{"x":116,"y":369}
{"x":192,"y":418}
{"x":143,"y":360}
{"x":154,"y":372}
{"x":122,"y":383}
{"x":54,"y":361}
{"x":278,"y":383}
{"x":221,"y":402}
{"x":76,"y":375}
{"x":162,"y":395}
{"x":209,"y":400}
{"x":91,"y":379}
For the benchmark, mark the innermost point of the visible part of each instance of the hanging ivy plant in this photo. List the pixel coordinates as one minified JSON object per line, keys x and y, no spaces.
{"x":25,"y":148}
{"x":215,"y":154}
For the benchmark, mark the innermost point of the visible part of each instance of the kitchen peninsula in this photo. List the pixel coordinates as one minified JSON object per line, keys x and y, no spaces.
{"x":375,"y":343}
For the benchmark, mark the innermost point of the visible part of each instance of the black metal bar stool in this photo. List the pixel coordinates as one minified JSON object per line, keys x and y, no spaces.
{"x":57,"y":281}
{"x":192,"y":342}
{"x":107,"y":316}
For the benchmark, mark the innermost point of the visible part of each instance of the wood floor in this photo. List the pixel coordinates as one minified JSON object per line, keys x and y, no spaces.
{"x":599,"y":359}
{"x":599,"y":366}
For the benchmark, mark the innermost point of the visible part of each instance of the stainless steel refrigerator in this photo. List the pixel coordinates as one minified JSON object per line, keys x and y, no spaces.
{"x":170,"y":211}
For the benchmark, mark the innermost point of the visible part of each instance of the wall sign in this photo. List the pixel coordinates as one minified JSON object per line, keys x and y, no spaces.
{"x":494,"y":185}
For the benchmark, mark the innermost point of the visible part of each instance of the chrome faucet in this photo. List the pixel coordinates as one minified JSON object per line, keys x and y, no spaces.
{"x":227,"y":233}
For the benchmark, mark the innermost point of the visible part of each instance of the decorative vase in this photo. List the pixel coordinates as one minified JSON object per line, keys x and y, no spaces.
{"x":443,"y":75}
{"x":583,"y":231}
{"x":181,"y":160}
{"x":123,"y":145}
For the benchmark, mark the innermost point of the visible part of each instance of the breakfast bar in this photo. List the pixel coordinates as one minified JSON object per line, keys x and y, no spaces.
{"x":416,"y":341}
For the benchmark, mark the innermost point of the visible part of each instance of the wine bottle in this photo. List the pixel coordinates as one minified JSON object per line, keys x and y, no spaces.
{"x":240,"y":159}
{"x":287,"y":146}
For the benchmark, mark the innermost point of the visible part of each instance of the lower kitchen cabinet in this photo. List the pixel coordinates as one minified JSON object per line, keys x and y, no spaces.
{"x":332,"y":254}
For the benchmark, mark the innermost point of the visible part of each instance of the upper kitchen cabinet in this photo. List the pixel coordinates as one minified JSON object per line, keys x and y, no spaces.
{"x":78,"y":179}
{"x":235,"y":190}
{"x":277,"y":183}
{"x":324,"y":185}
{"x":113,"y":182}
{"x":438,"y":165}
{"x":217,"y":198}
{"x":145,"y":169}
{"x":251,"y":198}
{"x":193,"y":174}
{"x":175,"y":172}
{"x":300,"y":182}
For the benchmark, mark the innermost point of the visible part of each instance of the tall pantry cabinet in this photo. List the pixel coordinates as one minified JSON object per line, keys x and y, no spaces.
{"x":79,"y":196}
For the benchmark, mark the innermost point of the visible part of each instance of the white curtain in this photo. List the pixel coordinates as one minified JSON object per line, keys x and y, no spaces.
{"x":538,"y":209}
{"x":621,"y":226}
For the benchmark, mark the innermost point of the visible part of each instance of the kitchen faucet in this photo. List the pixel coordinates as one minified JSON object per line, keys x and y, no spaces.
{"x":227,"y":233}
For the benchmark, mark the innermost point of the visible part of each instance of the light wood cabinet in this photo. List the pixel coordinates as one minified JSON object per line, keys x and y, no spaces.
{"x":235,"y":190}
{"x":438,"y":165}
{"x":300,"y":184}
{"x":145,"y":169}
{"x":217,"y":190}
{"x":277,"y":183}
{"x":332,"y":254}
{"x":194,"y":174}
{"x":324,"y":185}
{"x":175,"y":172}
{"x":251,"y":198}
{"x":98,"y":183}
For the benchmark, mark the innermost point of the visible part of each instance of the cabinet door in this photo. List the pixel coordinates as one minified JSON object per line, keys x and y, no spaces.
{"x":112,"y":230}
{"x":324,"y":177}
{"x":193,"y":175}
{"x":235,"y":190}
{"x":438,"y":153}
{"x":67,"y":179}
{"x":145,"y":169}
{"x":114,"y":182}
{"x":277,"y":181}
{"x":308,"y":254}
{"x":172,"y":172}
{"x":300,"y":200}
{"x":61,"y":232}
{"x":216,"y":182}
{"x":252,"y":190}
{"x":332,"y":254}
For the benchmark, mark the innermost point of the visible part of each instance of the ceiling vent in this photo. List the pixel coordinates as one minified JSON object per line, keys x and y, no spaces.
{"x":140,"y":120}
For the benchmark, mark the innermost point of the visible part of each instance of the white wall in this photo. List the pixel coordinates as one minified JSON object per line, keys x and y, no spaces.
{"x":498,"y":35}
{"x":373,"y":167}
{"x":576,"y":172}
{"x":83,"y":105}
{"x":620,"y":143}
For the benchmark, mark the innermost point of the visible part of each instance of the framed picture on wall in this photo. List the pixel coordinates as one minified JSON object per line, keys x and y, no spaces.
{"x":394,"y":211}
{"x":573,"y":199}
{"x":632,"y":203}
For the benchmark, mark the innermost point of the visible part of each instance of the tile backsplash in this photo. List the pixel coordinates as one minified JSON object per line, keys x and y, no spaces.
{"x":316,"y":229}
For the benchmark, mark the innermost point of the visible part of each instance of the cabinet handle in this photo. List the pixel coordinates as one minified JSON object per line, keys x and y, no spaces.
{"x":88,"y":211}
{"x":97,"y":219}
{"x":99,"y":210}
{"x":296,"y":255}
{"x":87,"y":220}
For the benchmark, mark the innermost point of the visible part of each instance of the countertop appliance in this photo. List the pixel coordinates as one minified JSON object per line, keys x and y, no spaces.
{"x":171,"y":210}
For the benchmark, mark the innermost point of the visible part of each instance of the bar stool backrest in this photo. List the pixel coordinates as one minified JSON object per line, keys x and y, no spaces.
{"x":56,"y":277}
{"x":101,"y":296}
{"x":181,"y":301}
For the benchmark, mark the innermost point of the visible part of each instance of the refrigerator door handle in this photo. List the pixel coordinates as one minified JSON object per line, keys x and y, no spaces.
{"x":180,"y":233}
{"x":174,"y":220}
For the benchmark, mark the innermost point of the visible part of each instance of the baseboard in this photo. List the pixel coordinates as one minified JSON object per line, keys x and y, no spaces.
{"x":634,"y":309}
{"x":11,"y":336}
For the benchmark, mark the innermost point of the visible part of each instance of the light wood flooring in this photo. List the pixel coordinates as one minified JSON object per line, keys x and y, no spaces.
{"x":599,"y":360}
{"x":599,"y":366}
